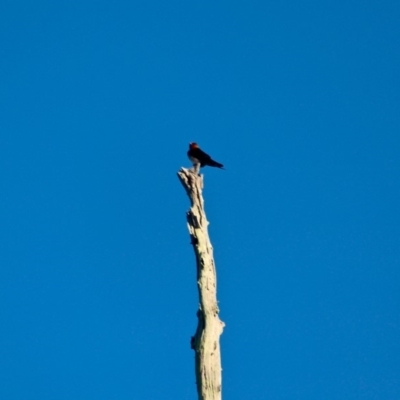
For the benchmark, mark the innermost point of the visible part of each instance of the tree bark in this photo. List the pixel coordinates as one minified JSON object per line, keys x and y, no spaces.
{"x":205,"y":342}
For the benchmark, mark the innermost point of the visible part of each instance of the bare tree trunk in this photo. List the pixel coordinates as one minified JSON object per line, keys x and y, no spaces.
{"x":205,"y":342}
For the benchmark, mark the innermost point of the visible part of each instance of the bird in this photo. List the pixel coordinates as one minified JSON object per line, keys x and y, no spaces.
{"x":200,"y":158}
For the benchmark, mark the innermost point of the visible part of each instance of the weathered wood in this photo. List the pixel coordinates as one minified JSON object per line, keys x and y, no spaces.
{"x":205,"y":342}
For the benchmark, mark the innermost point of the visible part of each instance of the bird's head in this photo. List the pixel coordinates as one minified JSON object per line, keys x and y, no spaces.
{"x":193,"y":145}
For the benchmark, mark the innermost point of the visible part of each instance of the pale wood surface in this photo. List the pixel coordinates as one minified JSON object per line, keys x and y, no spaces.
{"x":205,"y":342}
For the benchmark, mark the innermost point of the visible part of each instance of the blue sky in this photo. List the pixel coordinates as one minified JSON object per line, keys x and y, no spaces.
{"x":299,"y":100}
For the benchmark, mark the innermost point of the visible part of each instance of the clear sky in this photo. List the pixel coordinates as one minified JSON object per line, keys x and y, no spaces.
{"x":98,"y":102}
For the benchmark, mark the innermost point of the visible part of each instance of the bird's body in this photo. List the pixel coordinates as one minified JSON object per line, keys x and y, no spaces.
{"x":200,"y":158}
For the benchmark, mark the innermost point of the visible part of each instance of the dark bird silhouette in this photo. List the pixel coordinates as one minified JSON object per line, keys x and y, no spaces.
{"x":198,"y":157}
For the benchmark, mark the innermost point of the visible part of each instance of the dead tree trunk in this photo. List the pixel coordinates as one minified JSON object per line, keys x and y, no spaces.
{"x":205,"y":342}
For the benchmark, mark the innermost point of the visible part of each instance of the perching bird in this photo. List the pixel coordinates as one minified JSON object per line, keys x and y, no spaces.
{"x":198,"y":157}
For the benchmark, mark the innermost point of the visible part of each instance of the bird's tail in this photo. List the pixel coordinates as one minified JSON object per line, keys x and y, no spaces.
{"x":216,"y":164}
